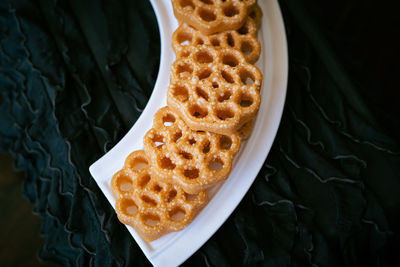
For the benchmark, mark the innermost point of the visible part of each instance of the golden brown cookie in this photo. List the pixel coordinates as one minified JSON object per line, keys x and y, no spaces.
{"x":152,"y":207}
{"x":195,"y":160}
{"x":214,"y":90}
{"x":212,"y":16}
{"x":243,"y":39}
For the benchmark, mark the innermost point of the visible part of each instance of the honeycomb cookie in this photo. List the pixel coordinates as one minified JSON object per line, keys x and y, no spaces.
{"x":195,"y":160}
{"x":243,"y":39}
{"x":212,"y":16}
{"x":152,"y":207}
{"x":213,"y":89}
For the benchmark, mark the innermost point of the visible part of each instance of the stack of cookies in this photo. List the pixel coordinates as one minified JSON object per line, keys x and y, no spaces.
{"x":212,"y":99}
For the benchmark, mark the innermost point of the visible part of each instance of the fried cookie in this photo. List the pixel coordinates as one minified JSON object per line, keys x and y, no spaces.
{"x":195,"y":160}
{"x":214,"y":90}
{"x":212,"y":16}
{"x":152,"y":207}
{"x":243,"y":39}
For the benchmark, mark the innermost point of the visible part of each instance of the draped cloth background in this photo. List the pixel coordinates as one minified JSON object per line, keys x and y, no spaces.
{"x":75,"y":76}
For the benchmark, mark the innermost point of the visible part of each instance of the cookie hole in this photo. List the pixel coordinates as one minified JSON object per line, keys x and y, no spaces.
{"x":198,"y":41}
{"x":244,"y":29}
{"x":247,"y":77}
{"x":224,"y":113}
{"x":187,"y":5}
{"x":215,"y":165}
{"x":247,"y":48}
{"x":215,"y":42}
{"x":150,"y":219}
{"x":224,"y":96}
{"x":184,"y":38}
{"x":191,"y":141}
{"x":144,"y":180}
{"x":203,"y":74}
{"x":180,"y":93}
{"x":158,"y":140}
{"x":225,"y":142}
{"x":124,"y":184}
{"x":245,"y":101}
{"x":201,"y":93}
{"x":192,"y":173}
{"x":168,"y":120}
{"x":137,"y":164}
{"x":176,"y":137}
{"x":185,"y":43}
{"x":185,"y":155}
{"x":149,"y":200}
{"x":157,"y":188}
{"x":253,"y":14}
{"x":208,"y":2}
{"x":184,"y":70}
{"x":230,"y":40}
{"x":197,"y":111}
{"x":167,"y":164}
{"x":230,"y":60}
{"x":129,"y":207}
{"x":171,"y":195}
{"x":204,"y":57}
{"x":190,"y":197}
{"x":207,"y":15}
{"x":227,"y":76}
{"x":231,"y":11}
{"x":177,"y":214}
{"x":215,"y":85}
{"x":206,"y":147}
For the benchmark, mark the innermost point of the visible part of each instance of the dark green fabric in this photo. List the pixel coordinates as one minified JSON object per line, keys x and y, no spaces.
{"x":75,"y":76}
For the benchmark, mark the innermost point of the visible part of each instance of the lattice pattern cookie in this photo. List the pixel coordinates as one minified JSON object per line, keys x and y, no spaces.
{"x":212,"y":16}
{"x":152,"y":207}
{"x":195,"y":160}
{"x":214,"y":90}
{"x":244,"y":39}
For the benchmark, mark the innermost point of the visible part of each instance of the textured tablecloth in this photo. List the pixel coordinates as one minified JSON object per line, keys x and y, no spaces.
{"x":75,"y":76}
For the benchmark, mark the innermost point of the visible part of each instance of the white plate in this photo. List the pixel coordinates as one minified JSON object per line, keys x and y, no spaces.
{"x":175,"y":248}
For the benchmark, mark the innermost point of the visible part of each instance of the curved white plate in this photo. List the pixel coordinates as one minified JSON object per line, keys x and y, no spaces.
{"x":175,"y":248}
